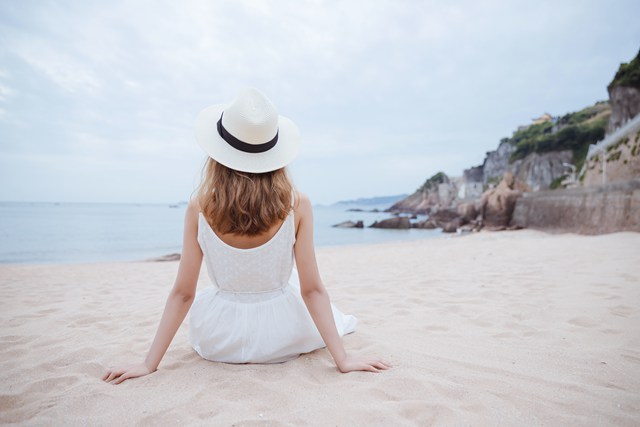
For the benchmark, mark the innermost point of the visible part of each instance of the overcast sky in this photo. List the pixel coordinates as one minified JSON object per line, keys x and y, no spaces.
{"x":98,"y":99}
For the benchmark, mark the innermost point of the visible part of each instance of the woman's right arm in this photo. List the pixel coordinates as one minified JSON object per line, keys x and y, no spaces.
{"x":316,"y":297}
{"x":177,"y":305}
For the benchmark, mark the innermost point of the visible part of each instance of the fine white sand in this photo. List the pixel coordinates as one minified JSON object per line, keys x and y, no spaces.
{"x":506,"y":328}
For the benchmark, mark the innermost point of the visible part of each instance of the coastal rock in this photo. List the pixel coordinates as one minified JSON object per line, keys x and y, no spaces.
{"x":426,"y":224}
{"x":443,"y":216}
{"x":400,"y":222}
{"x":164,"y":258}
{"x":436,"y":193}
{"x":467,"y":212}
{"x":468,"y":228}
{"x":497,"y":204}
{"x":349,"y":224}
{"x":451,"y":226}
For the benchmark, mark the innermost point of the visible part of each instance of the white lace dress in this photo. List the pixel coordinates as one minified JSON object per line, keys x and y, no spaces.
{"x":254,"y":313}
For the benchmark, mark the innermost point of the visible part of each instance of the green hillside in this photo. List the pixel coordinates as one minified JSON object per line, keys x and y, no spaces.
{"x":573,"y":131}
{"x":628,"y":74}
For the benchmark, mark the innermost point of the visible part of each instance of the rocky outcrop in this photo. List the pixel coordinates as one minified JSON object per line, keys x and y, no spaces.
{"x":165,"y":258}
{"x":450,"y":220}
{"x":399,"y":222}
{"x":468,"y":211}
{"x":436,"y":193}
{"x":624,"y":94}
{"x":473,"y":174}
{"x":585,"y":210}
{"x":443,"y":216}
{"x":625,"y":104}
{"x":538,"y":170}
{"x":349,"y":224}
{"x":496,"y":163}
{"x":497,"y":204}
{"x":425,"y":224}
{"x":451,"y":226}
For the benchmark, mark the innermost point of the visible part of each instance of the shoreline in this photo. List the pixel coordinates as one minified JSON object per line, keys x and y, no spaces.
{"x":175,"y":256}
{"x":515,"y":327}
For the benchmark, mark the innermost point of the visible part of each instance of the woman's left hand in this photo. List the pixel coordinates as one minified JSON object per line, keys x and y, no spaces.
{"x":122,"y":373}
{"x":350,"y":363}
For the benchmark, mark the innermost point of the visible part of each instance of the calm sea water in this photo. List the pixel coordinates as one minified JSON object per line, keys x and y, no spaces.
{"x":94,"y":232}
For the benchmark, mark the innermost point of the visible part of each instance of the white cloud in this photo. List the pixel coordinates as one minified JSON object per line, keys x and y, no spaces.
{"x":60,"y":67}
{"x":5,"y":92}
{"x":401,"y":88}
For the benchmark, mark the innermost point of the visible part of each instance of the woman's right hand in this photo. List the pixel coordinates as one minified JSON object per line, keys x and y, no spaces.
{"x":350,"y":363}
{"x":122,"y":373}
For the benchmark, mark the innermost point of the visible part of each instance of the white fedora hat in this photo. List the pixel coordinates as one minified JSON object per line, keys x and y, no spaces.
{"x":247,"y":135}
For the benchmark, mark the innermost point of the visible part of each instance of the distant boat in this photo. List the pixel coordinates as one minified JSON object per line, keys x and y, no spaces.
{"x":173,"y":206}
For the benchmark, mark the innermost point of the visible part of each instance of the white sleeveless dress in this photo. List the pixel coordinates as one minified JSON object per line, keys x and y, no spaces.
{"x":254,"y":312}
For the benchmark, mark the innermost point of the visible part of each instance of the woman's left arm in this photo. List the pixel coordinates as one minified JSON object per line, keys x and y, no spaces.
{"x":177,"y":306}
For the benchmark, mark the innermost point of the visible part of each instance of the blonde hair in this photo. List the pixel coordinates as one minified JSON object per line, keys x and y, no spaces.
{"x":242,"y":202}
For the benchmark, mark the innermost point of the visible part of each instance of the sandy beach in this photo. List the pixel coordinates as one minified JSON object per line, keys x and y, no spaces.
{"x":508,"y":328}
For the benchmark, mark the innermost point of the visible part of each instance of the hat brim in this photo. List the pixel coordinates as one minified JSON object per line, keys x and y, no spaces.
{"x":283,"y":153}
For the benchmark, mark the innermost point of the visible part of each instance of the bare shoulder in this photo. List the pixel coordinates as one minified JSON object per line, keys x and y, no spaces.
{"x":302,"y":211}
{"x":193,"y":209}
{"x":303,"y":205}
{"x":193,"y":205}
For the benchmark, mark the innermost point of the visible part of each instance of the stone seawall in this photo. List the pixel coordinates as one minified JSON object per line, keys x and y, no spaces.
{"x":585,"y":210}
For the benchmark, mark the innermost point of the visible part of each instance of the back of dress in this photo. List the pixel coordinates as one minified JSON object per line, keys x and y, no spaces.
{"x":261,"y":269}
{"x":254,"y":312}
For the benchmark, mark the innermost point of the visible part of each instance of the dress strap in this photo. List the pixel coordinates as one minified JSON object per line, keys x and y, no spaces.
{"x":293,"y":198}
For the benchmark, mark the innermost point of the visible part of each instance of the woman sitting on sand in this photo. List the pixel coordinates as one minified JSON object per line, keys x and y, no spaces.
{"x":249,"y":224}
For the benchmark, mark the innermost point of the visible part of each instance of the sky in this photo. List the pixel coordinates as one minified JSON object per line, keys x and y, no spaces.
{"x":98,"y":99}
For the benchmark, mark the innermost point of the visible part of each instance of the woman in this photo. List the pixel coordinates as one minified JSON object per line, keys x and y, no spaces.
{"x":250,"y":226}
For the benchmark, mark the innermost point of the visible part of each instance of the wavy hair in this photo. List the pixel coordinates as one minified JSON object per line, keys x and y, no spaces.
{"x":242,"y":202}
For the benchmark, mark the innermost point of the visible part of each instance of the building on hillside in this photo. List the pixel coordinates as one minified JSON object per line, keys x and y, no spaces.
{"x":546,"y":117}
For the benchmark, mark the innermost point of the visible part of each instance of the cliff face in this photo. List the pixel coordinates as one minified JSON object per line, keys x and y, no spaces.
{"x":496,"y":163}
{"x":540,"y":170}
{"x":625,"y":104}
{"x":624,"y":94}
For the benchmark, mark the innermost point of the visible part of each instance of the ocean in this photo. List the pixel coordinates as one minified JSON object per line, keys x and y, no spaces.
{"x":59,"y":233}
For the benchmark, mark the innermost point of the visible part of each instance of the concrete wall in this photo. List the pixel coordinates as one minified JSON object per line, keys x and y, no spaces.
{"x":585,"y":210}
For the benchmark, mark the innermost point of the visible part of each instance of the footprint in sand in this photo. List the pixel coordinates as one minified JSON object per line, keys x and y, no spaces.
{"x":611,"y":331}
{"x":585,"y":322}
{"x":622,"y":311}
{"x":631,"y":358}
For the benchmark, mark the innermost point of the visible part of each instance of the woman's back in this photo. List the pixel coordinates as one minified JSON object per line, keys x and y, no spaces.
{"x":254,"y":311}
{"x":262,"y":268}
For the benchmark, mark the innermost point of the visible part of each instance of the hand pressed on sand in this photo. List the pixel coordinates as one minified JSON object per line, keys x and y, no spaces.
{"x":350,"y":363}
{"x":122,"y":373}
